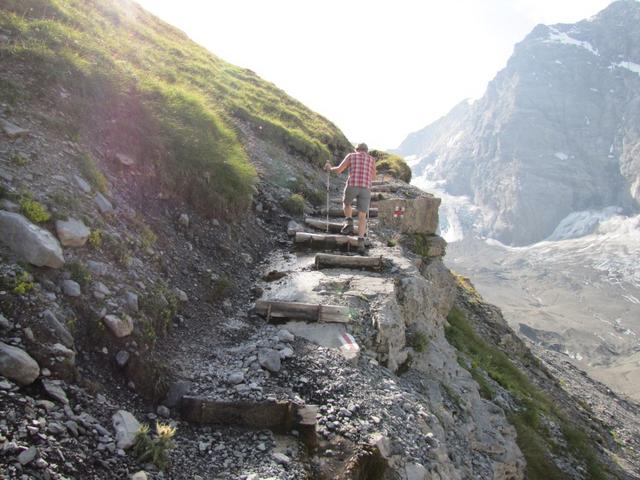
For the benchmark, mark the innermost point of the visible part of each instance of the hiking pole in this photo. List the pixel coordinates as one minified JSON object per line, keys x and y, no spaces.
{"x":328,"y":183}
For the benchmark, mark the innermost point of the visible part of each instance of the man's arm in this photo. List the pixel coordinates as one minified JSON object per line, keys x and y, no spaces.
{"x":340,"y":168}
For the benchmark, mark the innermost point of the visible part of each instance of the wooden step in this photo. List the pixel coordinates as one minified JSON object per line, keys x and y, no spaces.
{"x":327,"y":260}
{"x":339,"y":212}
{"x":327,"y":241}
{"x":334,"y":227}
{"x":309,"y":312}
{"x":279,"y":416}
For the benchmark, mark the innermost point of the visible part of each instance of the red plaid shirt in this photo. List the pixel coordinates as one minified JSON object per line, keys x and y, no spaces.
{"x":361,"y":169}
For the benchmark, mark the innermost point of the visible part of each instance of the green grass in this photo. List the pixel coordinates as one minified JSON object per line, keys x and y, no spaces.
{"x":183,"y":103}
{"x":294,"y":205}
{"x":92,"y":173}
{"x":487,"y":362}
{"x":392,"y":164}
{"x":34,"y":210}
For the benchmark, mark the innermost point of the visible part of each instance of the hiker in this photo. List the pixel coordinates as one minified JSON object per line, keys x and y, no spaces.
{"x":362,"y":171}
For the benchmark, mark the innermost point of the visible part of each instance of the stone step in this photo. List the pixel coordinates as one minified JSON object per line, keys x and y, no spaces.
{"x":278,"y":311}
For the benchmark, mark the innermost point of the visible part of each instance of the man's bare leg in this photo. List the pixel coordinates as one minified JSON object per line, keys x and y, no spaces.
{"x":362,"y":223}
{"x":348,"y":210}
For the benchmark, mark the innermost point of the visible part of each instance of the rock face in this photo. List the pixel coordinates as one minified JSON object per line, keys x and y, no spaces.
{"x":418,"y":215}
{"x":32,"y":243}
{"x":17,"y":365}
{"x":557,"y":131}
{"x":72,"y":232}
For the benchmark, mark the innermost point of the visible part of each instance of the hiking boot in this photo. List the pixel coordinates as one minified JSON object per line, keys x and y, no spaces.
{"x":347,"y":227}
{"x":361,"y":249}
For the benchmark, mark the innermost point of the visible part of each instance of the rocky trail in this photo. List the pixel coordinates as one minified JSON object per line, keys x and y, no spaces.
{"x":289,"y":355}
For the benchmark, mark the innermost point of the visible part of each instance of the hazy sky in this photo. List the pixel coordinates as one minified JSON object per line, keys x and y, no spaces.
{"x":378,"y":69}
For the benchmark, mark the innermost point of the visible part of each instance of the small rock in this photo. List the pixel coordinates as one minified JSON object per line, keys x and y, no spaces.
{"x":182,"y":296}
{"x":163,"y":411}
{"x":82,"y":183}
{"x":28,"y":456}
{"x":101,"y":291}
{"x":55,"y":391}
{"x":236,"y":378}
{"x":72,"y":232}
{"x":41,"y":463}
{"x":141,"y":475}
{"x":286,"y":336}
{"x":286,"y":352}
{"x":122,"y":358}
{"x":281,"y":458}
{"x":125,"y":160}
{"x":4,"y":323}
{"x":12,"y":130}
{"x":131,"y":300}
{"x":103,"y":204}
{"x":120,"y":327}
{"x":184,"y":220}
{"x":415,"y":471}
{"x":126,"y":427}
{"x":17,"y":365}
{"x":71,"y":288}
{"x":97,"y":268}
{"x":8,"y":205}
{"x":269,"y":359}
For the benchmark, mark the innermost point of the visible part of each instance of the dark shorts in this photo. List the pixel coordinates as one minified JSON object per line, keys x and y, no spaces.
{"x":363,"y":196}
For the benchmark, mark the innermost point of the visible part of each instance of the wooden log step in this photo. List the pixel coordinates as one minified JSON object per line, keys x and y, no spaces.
{"x":326,"y":260}
{"x":338,"y":212}
{"x":310,"y":312}
{"x":276,"y":415}
{"x":327,"y":241}
{"x":334,"y":227}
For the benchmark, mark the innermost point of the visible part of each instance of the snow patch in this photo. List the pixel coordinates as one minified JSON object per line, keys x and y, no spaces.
{"x":632,"y":67}
{"x":556,"y":36}
{"x":579,"y":224}
{"x":561,"y":155}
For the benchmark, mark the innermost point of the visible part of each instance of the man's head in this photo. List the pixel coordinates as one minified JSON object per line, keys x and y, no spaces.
{"x":362,"y":147}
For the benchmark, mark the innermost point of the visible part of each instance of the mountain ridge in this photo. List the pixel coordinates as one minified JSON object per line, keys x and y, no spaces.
{"x":555,"y":132}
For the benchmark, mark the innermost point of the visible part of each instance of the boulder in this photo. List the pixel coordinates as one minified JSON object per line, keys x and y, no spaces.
{"x":236,"y":378}
{"x":270,"y":359}
{"x":126,"y":427}
{"x":103,"y":204}
{"x":8,"y":205}
{"x":32,"y":243}
{"x":120,"y":327}
{"x":419,"y":215}
{"x":285,"y":336}
{"x":97,"y":268}
{"x":72,"y":232}
{"x":18,"y":365}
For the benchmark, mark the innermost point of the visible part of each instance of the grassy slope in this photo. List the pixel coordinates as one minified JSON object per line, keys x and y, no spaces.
{"x":535,"y":411}
{"x":392,"y":164}
{"x":185,"y":101}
